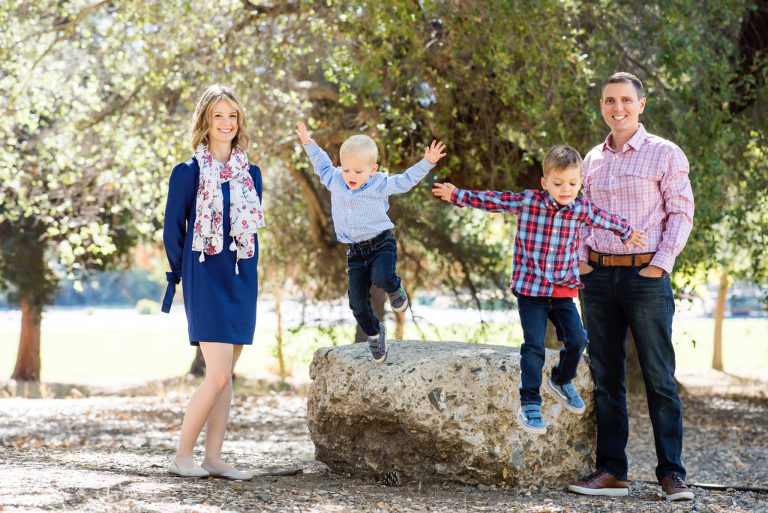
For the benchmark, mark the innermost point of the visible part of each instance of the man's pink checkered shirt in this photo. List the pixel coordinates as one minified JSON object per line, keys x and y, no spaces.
{"x":647,"y":183}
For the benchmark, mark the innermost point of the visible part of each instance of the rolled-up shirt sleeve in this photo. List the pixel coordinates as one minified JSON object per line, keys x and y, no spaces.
{"x":676,"y":190}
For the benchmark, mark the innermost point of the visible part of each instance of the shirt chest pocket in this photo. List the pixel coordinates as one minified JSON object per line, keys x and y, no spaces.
{"x":643,"y":179}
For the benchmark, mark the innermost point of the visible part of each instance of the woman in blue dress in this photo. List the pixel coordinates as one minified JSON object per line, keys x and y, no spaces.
{"x":211,"y":217}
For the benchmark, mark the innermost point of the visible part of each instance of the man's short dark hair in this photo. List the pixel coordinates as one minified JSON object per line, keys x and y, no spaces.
{"x":623,"y":76}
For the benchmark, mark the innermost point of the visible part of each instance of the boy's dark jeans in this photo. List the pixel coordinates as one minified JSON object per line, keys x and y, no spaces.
{"x":615,"y":298}
{"x":371,"y":262}
{"x":534,"y":312}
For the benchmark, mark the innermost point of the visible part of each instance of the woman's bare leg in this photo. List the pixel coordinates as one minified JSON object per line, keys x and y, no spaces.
{"x":218,"y":374}
{"x":217,"y":422}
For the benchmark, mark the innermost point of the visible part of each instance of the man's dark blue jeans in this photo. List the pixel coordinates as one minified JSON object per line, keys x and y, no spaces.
{"x":614,"y":299}
{"x":371,"y":262}
{"x":534,"y":312}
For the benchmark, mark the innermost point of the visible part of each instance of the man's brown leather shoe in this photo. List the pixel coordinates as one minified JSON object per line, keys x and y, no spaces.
{"x":600,"y":483}
{"x":674,"y":488}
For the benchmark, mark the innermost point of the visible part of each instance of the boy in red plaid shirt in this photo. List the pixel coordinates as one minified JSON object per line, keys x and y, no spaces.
{"x":545,"y":276}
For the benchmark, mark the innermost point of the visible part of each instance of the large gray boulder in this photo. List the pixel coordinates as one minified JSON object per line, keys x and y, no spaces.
{"x":437,"y":411}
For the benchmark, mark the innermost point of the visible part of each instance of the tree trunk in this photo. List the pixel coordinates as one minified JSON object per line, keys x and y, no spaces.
{"x":28,"y":358}
{"x":279,"y":337}
{"x":550,"y":339}
{"x":378,"y":300}
{"x":198,"y":364}
{"x":722,"y":292}
{"x":399,"y":325}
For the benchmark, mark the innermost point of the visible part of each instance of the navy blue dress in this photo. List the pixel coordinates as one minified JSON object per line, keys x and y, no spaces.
{"x":220,"y":305}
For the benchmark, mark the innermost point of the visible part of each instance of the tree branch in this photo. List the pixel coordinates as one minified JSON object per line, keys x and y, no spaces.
{"x":65,"y":31}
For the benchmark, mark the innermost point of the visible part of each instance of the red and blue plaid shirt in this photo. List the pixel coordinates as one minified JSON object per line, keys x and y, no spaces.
{"x":547,"y":237}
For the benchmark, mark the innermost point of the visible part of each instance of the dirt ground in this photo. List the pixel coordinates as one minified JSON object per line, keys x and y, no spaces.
{"x":77,"y":448}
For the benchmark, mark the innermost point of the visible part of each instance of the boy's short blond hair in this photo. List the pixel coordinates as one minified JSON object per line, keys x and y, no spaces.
{"x":360,"y":145}
{"x":560,"y":157}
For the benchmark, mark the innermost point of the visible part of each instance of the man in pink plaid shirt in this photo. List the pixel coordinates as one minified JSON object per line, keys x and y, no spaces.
{"x":644,"y":178}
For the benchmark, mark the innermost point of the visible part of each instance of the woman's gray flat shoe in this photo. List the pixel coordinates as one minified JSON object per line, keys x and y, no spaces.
{"x":196,"y":471}
{"x":233,"y":474}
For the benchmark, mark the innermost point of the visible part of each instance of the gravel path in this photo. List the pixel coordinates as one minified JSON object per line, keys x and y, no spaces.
{"x":109,"y":453}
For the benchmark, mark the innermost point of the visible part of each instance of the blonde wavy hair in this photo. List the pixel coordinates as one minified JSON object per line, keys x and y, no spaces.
{"x":201,"y":119}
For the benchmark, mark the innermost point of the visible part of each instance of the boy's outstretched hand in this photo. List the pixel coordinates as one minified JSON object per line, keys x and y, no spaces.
{"x":443,"y":190}
{"x":433,"y":153}
{"x":301,"y":131}
{"x":638,"y":239}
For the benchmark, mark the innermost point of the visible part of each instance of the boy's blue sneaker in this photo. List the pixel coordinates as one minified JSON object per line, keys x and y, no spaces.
{"x":530,"y":419}
{"x":378,"y":344}
{"x":398,"y":299}
{"x":567,"y":395}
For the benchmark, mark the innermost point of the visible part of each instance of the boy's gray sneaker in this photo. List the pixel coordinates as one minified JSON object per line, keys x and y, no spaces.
{"x":378,"y":345}
{"x":567,"y":395}
{"x":398,"y":299}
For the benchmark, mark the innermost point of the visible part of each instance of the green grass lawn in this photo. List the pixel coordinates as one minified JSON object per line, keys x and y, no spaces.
{"x":73,"y":354}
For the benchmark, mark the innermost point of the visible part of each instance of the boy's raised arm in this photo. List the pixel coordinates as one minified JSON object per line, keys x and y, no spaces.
{"x":320,"y":159}
{"x":404,"y":182}
{"x":491,"y":201}
{"x":301,"y":131}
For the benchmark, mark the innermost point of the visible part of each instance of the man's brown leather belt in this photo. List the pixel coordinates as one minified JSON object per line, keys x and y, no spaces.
{"x":602,"y":260}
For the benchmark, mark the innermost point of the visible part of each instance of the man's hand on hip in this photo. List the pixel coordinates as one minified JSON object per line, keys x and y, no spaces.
{"x":584,"y":268}
{"x":650,"y":272}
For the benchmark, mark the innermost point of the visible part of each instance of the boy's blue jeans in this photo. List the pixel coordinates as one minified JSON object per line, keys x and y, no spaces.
{"x":371,"y":262}
{"x":617,"y":298}
{"x":534,"y":312}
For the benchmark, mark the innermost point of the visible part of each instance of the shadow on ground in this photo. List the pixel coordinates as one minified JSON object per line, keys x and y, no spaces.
{"x":75,"y":449}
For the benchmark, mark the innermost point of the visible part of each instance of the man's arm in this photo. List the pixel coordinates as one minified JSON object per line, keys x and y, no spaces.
{"x":678,"y":205}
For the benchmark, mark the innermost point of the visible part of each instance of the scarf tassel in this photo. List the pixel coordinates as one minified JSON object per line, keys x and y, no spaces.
{"x":237,"y":269}
{"x":202,"y":256}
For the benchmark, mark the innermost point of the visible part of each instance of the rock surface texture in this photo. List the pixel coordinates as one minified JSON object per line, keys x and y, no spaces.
{"x":437,"y":411}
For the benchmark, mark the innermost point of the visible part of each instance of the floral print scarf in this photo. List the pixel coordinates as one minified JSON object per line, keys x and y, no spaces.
{"x":245,"y":212}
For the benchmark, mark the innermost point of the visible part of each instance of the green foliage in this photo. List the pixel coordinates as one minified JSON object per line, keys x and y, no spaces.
{"x":688,"y":55}
{"x":98,"y":105}
{"x":99,"y":97}
{"x":501,"y":80}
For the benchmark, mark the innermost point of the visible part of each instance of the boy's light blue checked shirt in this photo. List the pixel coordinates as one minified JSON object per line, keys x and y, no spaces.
{"x":361,"y":214}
